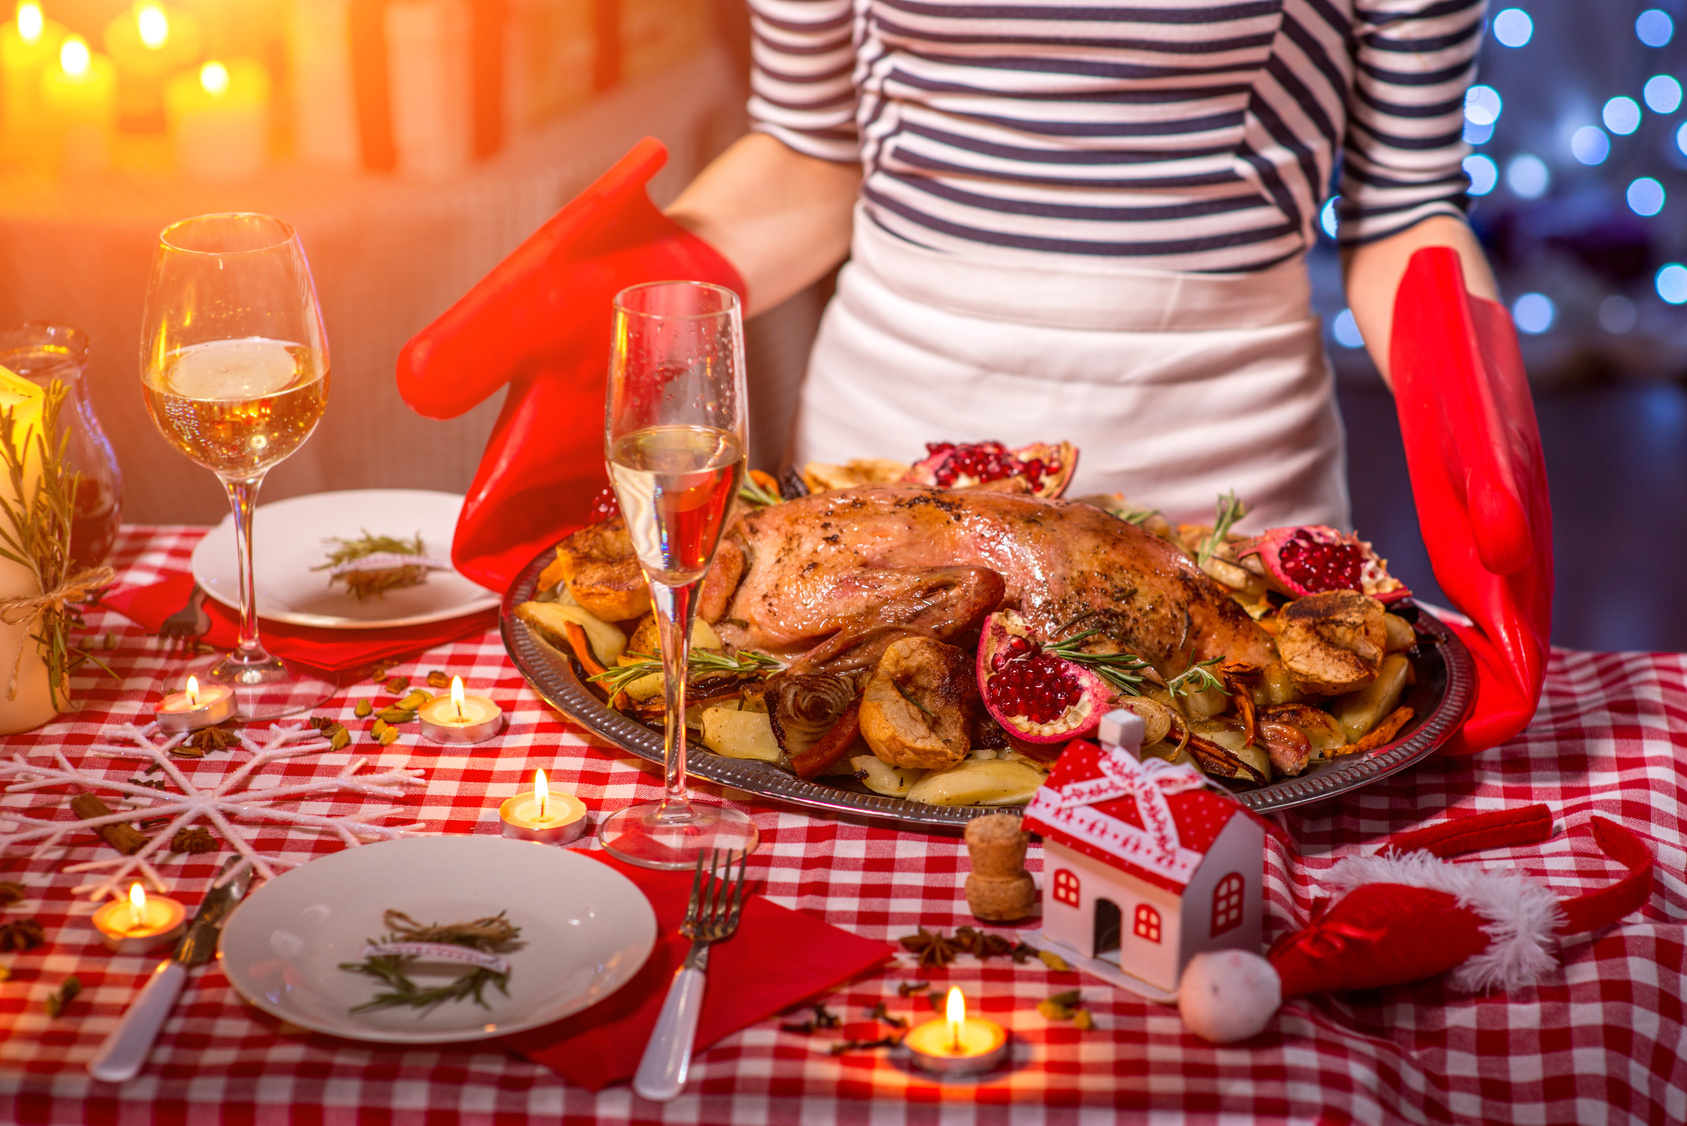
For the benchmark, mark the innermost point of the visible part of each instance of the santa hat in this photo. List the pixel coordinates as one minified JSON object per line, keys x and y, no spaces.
{"x":1403,"y":915}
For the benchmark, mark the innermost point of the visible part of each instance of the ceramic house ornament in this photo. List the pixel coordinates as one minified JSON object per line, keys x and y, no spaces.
{"x":1144,"y":867}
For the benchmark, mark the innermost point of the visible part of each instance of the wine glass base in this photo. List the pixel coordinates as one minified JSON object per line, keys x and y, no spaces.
{"x":651,"y":837}
{"x":263,"y":689}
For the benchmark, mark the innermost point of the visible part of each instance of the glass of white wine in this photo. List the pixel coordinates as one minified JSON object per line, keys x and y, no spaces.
{"x":675,"y":435}
{"x":234,"y":368}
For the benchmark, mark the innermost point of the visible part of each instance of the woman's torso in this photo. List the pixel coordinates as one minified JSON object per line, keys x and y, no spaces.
{"x":1184,"y":137}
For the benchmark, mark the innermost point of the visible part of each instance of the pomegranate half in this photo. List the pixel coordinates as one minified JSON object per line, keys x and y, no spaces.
{"x":1314,"y":558}
{"x":1036,"y":696}
{"x":1045,"y":469}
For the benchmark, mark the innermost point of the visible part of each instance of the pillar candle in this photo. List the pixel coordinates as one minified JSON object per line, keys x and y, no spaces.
{"x":30,"y":704}
{"x":219,"y":119}
{"x":324,"y":102}
{"x":148,"y":42}
{"x":79,"y":104}
{"x":28,"y":46}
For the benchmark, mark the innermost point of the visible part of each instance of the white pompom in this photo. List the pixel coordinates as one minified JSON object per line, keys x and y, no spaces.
{"x":1228,"y":995}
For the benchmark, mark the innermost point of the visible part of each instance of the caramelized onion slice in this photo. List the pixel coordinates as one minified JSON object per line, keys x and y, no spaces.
{"x":805,"y":706}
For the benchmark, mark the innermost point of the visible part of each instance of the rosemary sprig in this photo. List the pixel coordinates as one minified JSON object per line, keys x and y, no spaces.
{"x":490,"y":935}
{"x":366,"y":544}
{"x":754,"y":492}
{"x":1121,"y":670}
{"x":1230,"y":510}
{"x":702,"y":663}
{"x":35,"y":533}
{"x":1196,"y":678}
{"x":1137,"y":516}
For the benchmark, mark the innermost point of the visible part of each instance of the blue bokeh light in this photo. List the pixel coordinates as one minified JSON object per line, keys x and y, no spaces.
{"x":1617,"y":314}
{"x":1475,"y":134}
{"x":1528,"y":176}
{"x":1482,"y":105}
{"x":1654,"y":27}
{"x":1327,"y":216}
{"x":1513,"y":27}
{"x":1621,"y":115}
{"x":1672,"y":283}
{"x":1483,"y":173}
{"x":1590,"y":145}
{"x":1533,"y":313}
{"x":1662,"y":94}
{"x":1346,"y":330}
{"x":1646,"y":196}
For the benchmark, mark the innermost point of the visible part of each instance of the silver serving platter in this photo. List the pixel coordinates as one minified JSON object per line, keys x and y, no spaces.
{"x":1441,"y":698}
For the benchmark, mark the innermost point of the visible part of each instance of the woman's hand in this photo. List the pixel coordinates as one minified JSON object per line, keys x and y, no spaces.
{"x":1373,"y":273}
{"x":782,"y":219}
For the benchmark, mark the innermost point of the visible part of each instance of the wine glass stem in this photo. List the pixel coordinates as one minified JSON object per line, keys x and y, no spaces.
{"x":242,"y":496}
{"x":676,"y":607}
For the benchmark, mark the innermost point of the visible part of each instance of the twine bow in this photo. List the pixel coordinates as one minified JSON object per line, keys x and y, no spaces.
{"x":29,"y":610}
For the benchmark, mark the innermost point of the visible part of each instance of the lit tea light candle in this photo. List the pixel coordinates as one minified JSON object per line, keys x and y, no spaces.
{"x":958,"y":1044}
{"x":219,"y":118}
{"x":140,"y":923}
{"x":545,"y":815}
{"x":195,"y":707}
{"x":459,"y":718}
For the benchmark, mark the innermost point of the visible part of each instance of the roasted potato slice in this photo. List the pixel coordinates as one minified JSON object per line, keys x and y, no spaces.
{"x":1359,"y":712}
{"x":917,"y":709}
{"x":1333,"y":642}
{"x":647,"y":638}
{"x":739,"y":734}
{"x":600,"y":570}
{"x":979,"y":782}
{"x":551,"y":619}
{"x":1401,"y":635}
{"x":883,"y":778}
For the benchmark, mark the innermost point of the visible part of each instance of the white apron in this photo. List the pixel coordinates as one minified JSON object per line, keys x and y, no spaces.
{"x":1174,"y":387}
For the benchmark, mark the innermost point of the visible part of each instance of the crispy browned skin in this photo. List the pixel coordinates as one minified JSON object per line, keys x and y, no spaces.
{"x":824,"y":564}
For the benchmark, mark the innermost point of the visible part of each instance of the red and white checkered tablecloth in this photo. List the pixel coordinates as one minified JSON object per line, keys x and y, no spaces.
{"x":1600,"y":1041}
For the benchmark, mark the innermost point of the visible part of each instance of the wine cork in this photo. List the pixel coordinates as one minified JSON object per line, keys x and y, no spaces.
{"x":999,"y":888}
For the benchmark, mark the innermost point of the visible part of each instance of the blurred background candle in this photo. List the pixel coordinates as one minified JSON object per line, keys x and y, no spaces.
{"x":149,"y":42}
{"x":28,"y":46}
{"x":79,"y":103}
{"x":219,"y":119}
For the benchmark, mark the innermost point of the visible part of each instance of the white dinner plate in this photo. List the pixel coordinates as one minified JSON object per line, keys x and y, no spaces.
{"x":585,"y":931}
{"x":288,"y":540}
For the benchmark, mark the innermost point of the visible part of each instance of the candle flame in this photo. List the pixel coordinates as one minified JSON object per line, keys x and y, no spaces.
{"x":31,"y":23}
{"x":541,"y":792}
{"x":193,"y":691}
{"x":457,"y":695}
{"x":154,"y":25}
{"x":213,"y":77}
{"x":74,"y":56}
{"x":137,"y":906}
{"x":955,"y":1011}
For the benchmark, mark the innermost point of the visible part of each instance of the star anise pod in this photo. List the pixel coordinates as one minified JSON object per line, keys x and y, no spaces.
{"x":196,"y":839}
{"x":931,"y":949}
{"x":981,"y":945}
{"x":21,"y":934}
{"x":206,"y":740}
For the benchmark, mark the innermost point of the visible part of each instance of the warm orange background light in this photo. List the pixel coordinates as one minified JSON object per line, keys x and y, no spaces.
{"x":74,"y":56}
{"x":213,"y":77}
{"x":154,"y":25}
{"x":31,"y":23}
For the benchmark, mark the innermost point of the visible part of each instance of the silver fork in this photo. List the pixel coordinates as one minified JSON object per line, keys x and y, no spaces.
{"x":188,"y":623}
{"x":711,"y":916}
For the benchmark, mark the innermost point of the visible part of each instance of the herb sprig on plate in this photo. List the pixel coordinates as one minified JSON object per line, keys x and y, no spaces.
{"x":492,"y":935}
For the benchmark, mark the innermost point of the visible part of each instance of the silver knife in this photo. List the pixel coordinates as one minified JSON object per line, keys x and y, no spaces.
{"x":124,"y":1052}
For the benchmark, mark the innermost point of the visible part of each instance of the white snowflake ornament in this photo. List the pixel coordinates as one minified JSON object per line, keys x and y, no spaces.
{"x":240,"y":794}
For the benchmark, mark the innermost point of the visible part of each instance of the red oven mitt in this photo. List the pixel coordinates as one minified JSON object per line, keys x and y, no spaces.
{"x":540,"y":322}
{"x":1474,"y":453}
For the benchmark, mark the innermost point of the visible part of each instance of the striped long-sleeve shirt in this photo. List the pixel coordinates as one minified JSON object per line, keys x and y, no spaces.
{"x":1178,"y":134}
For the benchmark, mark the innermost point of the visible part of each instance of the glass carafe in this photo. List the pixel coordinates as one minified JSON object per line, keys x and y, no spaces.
{"x":42,"y":352}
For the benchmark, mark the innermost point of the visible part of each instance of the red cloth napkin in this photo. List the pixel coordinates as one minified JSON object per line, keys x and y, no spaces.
{"x":540,"y":322}
{"x":777,"y":958}
{"x":1474,"y":453}
{"x":325,"y":651}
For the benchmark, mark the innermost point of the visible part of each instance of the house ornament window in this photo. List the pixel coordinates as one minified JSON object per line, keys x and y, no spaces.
{"x":1227,"y":904}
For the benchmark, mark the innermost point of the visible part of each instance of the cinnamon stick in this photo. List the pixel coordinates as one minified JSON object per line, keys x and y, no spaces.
{"x":123,"y":837}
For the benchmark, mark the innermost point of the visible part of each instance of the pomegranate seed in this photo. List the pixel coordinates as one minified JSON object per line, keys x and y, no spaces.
{"x":1319,"y":566}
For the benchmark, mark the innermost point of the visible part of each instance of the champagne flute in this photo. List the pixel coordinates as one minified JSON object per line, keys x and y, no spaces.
{"x":675,"y":436}
{"x":234,"y":369}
